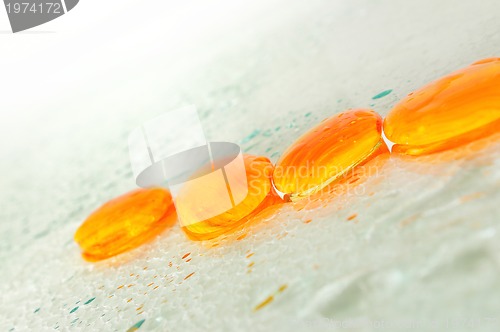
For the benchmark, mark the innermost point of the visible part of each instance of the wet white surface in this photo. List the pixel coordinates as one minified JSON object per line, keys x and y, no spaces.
{"x":424,"y":245}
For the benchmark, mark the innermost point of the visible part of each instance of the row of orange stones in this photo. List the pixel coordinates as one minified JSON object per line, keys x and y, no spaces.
{"x":454,"y":110}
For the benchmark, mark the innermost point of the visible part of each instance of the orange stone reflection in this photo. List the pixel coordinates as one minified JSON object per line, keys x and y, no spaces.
{"x":348,"y":183}
{"x":328,"y":151}
{"x":260,"y":195}
{"x":451,"y":111}
{"x":125,"y":223}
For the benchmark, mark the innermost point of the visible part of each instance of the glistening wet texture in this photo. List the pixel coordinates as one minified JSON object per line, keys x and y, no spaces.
{"x":260,"y":195}
{"x":451,"y":111}
{"x":425,"y":243}
{"x":125,"y":223}
{"x":328,"y":151}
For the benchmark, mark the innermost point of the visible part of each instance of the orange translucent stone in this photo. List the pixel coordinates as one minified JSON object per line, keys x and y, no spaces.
{"x":125,"y":223}
{"x":260,"y":195}
{"x":451,"y":111}
{"x":327,"y":152}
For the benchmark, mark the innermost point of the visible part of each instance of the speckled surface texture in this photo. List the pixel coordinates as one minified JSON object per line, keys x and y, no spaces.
{"x":423,"y":244}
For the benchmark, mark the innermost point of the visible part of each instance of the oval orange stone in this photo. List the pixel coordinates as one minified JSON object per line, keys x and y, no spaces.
{"x":451,"y":111}
{"x":125,"y":223}
{"x":260,"y":195}
{"x":328,"y":151}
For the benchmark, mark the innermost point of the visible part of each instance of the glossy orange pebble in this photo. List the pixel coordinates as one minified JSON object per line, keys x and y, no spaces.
{"x":125,"y":223}
{"x":327,"y":152}
{"x":451,"y":111}
{"x":260,"y":195}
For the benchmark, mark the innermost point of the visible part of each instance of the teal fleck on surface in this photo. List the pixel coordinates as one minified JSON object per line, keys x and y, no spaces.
{"x":136,"y":326}
{"x":267,"y":133}
{"x":249,"y":137}
{"x":73,"y":310}
{"x":89,"y":301}
{"x":382,"y":94}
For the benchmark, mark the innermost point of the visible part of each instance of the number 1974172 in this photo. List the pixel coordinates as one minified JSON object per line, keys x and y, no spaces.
{"x":40,"y":8}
